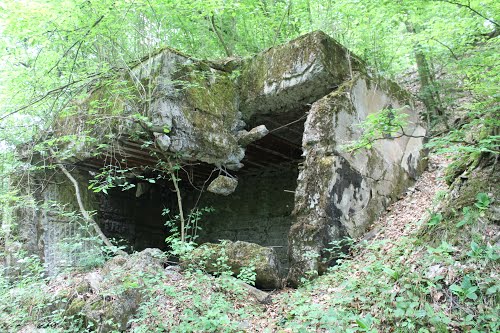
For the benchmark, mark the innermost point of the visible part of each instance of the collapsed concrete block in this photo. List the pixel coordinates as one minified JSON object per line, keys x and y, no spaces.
{"x":339,"y":194}
{"x":293,"y":74}
{"x":256,"y":133}
{"x":223,"y":185}
{"x":237,"y":255}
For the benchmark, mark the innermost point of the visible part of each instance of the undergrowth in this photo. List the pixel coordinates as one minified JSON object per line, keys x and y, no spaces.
{"x":441,"y":278}
{"x":432,"y":281}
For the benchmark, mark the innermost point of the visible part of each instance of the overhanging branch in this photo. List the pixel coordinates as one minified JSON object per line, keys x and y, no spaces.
{"x":83,"y":211}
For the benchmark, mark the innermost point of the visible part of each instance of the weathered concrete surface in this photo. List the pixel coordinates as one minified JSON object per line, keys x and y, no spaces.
{"x":340,"y":194}
{"x":293,"y":74}
{"x":197,"y":110}
{"x":197,"y":105}
{"x":237,"y":255}
{"x":48,"y":224}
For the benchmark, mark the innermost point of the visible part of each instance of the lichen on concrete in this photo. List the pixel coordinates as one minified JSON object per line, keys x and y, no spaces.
{"x":293,"y":74}
{"x":200,"y":109}
{"x":339,"y":194}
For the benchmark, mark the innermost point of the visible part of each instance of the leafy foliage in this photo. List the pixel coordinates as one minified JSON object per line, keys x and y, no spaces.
{"x":55,"y":54}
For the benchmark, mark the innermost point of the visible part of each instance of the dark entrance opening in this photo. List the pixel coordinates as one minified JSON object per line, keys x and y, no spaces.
{"x":259,"y":211}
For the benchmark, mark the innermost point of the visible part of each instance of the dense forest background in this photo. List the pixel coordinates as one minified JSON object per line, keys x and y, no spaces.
{"x":54,"y":52}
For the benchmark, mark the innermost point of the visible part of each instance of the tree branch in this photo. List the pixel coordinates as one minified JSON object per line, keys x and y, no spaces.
{"x":179,"y":199}
{"x":447,"y":47}
{"x":471,"y":9}
{"x":47,"y":94}
{"x":219,"y":36}
{"x":76,"y":43}
{"x":83,"y":211}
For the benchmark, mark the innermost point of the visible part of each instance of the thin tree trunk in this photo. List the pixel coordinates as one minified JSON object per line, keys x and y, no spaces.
{"x":428,"y":89}
{"x":83,"y":211}
{"x":228,"y":51}
{"x":179,"y":199}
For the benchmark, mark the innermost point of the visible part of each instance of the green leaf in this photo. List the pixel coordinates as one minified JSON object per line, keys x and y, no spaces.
{"x":482,"y":200}
{"x":492,"y":290}
{"x":472,"y":296}
{"x":362,"y":324}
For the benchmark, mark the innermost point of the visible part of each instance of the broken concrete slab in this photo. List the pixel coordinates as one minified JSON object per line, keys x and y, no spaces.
{"x":294,"y":74}
{"x":196,"y":103}
{"x":339,"y":194}
{"x":256,"y":133}
{"x":237,"y":255}
{"x":223,"y":185}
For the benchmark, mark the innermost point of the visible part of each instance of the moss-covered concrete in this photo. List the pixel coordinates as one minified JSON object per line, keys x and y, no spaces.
{"x":236,"y":256}
{"x":340,"y":194}
{"x":294,"y":74}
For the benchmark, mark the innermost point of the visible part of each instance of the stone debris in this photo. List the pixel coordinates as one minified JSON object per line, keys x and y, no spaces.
{"x":223,"y":185}
{"x":238,"y":255}
{"x":256,"y":133}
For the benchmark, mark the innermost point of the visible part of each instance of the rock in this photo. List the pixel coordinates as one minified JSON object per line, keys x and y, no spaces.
{"x":238,"y":255}
{"x":435,"y":271}
{"x":173,"y":268}
{"x":223,"y":185}
{"x":94,"y":280}
{"x":173,"y":273}
{"x":340,"y":194}
{"x":116,"y":290}
{"x":163,"y":141}
{"x":259,"y":295}
{"x":256,"y":133}
{"x":299,"y":72}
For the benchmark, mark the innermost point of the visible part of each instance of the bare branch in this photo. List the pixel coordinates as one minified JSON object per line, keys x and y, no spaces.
{"x":471,"y":9}
{"x":83,"y":211}
{"x":219,"y":36}
{"x":47,"y":94}
{"x":78,"y":42}
{"x":447,"y":47}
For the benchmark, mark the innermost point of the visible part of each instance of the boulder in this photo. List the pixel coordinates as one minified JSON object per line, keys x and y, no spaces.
{"x":223,"y":185}
{"x":236,"y":255}
{"x":299,"y":72}
{"x":339,"y":194}
{"x":114,"y":293}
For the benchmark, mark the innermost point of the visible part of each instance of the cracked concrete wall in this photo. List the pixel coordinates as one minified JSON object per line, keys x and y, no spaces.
{"x":339,"y":194}
{"x":204,"y":107}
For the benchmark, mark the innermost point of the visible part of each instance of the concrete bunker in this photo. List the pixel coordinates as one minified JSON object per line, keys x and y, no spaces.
{"x":258,"y":211}
{"x":298,"y":190}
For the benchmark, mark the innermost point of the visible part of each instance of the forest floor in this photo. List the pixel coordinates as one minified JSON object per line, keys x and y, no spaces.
{"x":429,"y":264}
{"x":401,"y":219}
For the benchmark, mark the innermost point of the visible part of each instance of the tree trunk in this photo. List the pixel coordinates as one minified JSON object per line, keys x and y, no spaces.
{"x":428,"y":89}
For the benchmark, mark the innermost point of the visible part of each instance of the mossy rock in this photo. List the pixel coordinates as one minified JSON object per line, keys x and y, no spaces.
{"x":216,"y":258}
{"x":75,"y":307}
